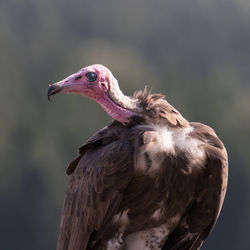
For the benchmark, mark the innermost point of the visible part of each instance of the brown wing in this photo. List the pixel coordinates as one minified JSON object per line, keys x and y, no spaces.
{"x":96,"y":187}
{"x":102,"y":137}
{"x":203,"y":212}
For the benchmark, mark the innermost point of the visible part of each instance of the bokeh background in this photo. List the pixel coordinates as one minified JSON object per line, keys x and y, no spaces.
{"x":196,"y":52}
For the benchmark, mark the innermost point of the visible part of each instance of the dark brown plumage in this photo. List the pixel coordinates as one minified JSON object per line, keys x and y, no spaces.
{"x":154,"y":181}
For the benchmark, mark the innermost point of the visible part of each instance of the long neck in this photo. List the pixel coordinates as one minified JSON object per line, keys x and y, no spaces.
{"x":116,"y":111}
{"x":121,"y":99}
{"x":119,"y":106}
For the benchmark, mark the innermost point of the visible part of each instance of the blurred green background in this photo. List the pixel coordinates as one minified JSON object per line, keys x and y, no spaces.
{"x":197,"y":52}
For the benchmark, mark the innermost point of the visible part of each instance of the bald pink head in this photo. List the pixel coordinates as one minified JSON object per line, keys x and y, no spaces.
{"x":98,"y":83}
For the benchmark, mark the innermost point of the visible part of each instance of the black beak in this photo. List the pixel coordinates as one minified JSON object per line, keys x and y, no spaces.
{"x":54,"y":89}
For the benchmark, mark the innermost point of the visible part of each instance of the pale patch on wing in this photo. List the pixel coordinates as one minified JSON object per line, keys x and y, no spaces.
{"x":122,"y":219}
{"x":151,"y":239}
{"x":166,"y":139}
{"x":160,"y":139}
{"x":115,"y":243}
{"x":157,"y":214}
{"x":157,"y":138}
{"x":184,"y":142}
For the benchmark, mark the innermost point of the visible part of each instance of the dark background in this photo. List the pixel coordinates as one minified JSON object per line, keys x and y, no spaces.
{"x":197,"y":52}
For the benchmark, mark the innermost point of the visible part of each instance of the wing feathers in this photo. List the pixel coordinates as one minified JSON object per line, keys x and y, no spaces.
{"x":95,"y":189}
{"x":102,"y":172}
{"x":201,"y":217}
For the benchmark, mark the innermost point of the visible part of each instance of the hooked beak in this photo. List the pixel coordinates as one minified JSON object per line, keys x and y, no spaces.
{"x":68,"y":85}
{"x":54,"y":89}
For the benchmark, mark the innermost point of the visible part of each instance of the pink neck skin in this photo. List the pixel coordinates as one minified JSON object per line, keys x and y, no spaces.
{"x":115,"y":111}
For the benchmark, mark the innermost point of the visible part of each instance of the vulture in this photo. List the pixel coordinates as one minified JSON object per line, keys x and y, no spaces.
{"x":149,"y":180}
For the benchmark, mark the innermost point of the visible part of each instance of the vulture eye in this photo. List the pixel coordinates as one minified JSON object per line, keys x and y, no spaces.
{"x":91,"y":76}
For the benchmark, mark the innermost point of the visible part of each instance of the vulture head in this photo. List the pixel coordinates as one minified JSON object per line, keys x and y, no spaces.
{"x":98,"y":83}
